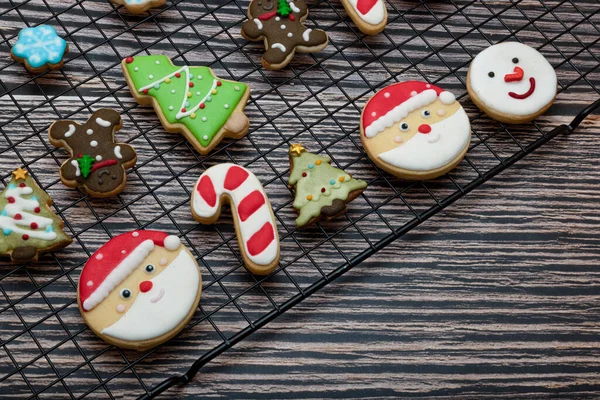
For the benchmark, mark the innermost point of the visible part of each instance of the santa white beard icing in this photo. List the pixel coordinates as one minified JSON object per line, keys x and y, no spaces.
{"x":415,"y":130}
{"x":512,"y":82}
{"x":139,"y":289}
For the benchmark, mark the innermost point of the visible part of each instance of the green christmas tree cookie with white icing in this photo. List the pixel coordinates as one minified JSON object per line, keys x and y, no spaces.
{"x":189,"y":100}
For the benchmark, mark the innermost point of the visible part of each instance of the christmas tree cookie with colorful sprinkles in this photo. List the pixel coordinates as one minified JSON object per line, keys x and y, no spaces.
{"x":322,"y":191}
{"x":28,"y":226}
{"x":189,"y":100}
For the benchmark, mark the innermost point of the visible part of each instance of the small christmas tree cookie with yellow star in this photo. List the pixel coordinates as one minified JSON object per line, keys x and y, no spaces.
{"x":28,"y":226}
{"x":322,"y":191}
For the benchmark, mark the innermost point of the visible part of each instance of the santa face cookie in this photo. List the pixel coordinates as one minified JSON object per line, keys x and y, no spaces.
{"x":280,"y":24}
{"x":255,"y":223}
{"x":512,"y":82}
{"x":139,"y":289}
{"x":370,"y":16}
{"x":189,"y":100}
{"x":97,"y":162}
{"x":415,"y":130}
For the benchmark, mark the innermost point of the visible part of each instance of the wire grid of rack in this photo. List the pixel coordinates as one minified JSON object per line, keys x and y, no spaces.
{"x":47,"y":351}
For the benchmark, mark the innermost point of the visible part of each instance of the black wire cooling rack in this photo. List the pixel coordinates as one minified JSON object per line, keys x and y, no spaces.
{"x":46,"y":351}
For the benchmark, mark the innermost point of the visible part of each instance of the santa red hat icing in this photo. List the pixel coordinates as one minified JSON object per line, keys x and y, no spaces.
{"x":114,"y":261}
{"x":395,"y":102}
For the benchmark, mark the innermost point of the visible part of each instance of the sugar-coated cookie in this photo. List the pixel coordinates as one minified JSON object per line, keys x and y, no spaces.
{"x":280,"y":24}
{"x":28,"y":226}
{"x":322,"y":191}
{"x":253,"y":217}
{"x":139,"y":289}
{"x":370,"y":16}
{"x":40,"y":49}
{"x":97,"y":163}
{"x":189,"y":100}
{"x":512,"y":83}
{"x":415,"y":130}
{"x":139,"y":6}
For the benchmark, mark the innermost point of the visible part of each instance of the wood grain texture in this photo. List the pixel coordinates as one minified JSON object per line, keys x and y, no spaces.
{"x":496,"y":297}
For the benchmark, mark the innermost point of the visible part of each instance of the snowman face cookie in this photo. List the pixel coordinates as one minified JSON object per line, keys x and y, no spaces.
{"x":140,"y":289}
{"x":415,"y":130}
{"x":512,"y":82}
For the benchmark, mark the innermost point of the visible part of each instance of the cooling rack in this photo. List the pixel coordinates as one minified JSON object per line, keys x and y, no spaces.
{"x":46,"y":351}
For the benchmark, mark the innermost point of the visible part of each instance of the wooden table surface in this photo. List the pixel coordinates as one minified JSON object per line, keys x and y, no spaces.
{"x":498,"y":296}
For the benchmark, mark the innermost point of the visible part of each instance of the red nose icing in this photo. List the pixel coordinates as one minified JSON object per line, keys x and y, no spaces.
{"x":424,"y":128}
{"x":145,"y":286}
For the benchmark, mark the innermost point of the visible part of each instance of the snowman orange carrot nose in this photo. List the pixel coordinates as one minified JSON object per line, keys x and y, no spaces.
{"x":424,"y":128}
{"x":516,"y":76}
{"x":145,"y":286}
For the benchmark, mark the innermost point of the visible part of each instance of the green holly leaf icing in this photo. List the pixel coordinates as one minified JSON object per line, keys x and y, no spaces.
{"x":192,"y":96}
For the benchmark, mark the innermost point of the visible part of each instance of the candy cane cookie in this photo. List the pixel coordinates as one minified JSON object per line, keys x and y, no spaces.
{"x":253,"y":216}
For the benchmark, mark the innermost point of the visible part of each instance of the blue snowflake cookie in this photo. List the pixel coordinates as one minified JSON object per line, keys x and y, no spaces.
{"x":40,"y":48}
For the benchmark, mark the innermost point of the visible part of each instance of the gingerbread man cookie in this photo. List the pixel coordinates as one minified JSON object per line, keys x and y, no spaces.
{"x":415,"y":130}
{"x":97,"y":162}
{"x":279,"y":23}
{"x":139,"y":289}
{"x":512,"y":83}
{"x":370,"y":16}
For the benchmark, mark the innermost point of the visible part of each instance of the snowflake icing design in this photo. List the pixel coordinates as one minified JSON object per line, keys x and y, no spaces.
{"x":40,"y":46}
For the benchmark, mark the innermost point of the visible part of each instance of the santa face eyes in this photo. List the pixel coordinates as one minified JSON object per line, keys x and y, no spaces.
{"x":404,"y":126}
{"x":425,"y":114}
{"x":149,"y":269}
{"x":125,"y":294}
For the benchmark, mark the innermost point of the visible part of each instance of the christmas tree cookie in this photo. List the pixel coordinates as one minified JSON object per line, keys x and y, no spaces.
{"x":97,"y":162}
{"x":189,"y":100}
{"x":27,"y":225}
{"x":322,"y":191}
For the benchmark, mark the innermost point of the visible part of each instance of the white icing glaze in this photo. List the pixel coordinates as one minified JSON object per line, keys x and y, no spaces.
{"x":103,"y":122}
{"x":98,"y":158}
{"x":118,"y":274}
{"x":424,"y":152}
{"x":258,"y":23}
{"x":374,"y":16}
{"x":246,"y":228}
{"x":401,"y":111}
{"x":278,"y":46}
{"x":306,"y":35}
{"x":293,"y":7}
{"x":90,"y":131}
{"x":94,"y":143}
{"x":76,"y":165}
{"x":447,"y":98}
{"x":283,"y":26}
{"x":172,"y":242}
{"x":493,"y":92}
{"x":23,"y":206}
{"x":164,"y":307}
{"x":71,"y":131}
{"x":117,"y":152}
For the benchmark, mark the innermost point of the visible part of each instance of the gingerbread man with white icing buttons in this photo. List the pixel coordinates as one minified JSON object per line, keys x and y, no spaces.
{"x":280,"y":24}
{"x":97,"y":162}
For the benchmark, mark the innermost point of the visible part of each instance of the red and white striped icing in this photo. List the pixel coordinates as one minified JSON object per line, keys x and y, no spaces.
{"x":255,"y":220}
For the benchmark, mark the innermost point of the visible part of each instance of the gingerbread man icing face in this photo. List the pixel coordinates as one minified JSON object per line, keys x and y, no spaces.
{"x":513,"y":80}
{"x":280,"y":24}
{"x":97,"y":163}
{"x":139,"y":289}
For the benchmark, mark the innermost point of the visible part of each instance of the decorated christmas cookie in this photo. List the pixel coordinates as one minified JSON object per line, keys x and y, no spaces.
{"x":253,"y":216}
{"x":280,"y":24}
{"x":139,"y":289}
{"x":512,"y":83}
{"x":370,"y":16}
{"x":97,"y":162}
{"x":322,"y":191}
{"x":415,"y":130}
{"x":40,"y":49}
{"x":189,"y":100}
{"x":139,"y":6}
{"x":28,"y":226}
